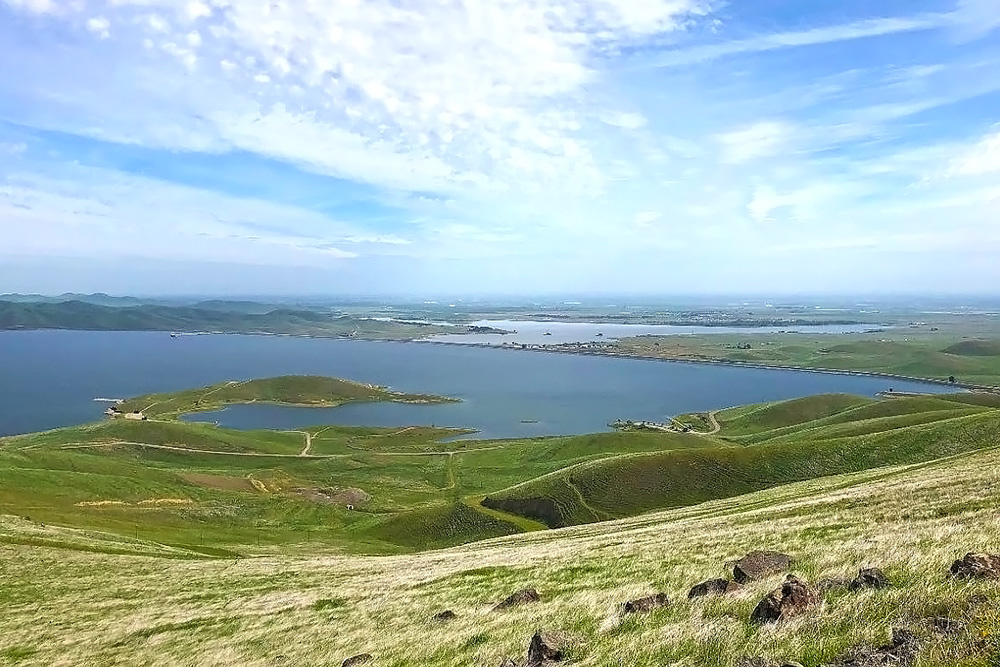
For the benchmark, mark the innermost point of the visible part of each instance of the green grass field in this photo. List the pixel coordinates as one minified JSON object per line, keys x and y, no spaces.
{"x":971,"y":356}
{"x":88,"y":597}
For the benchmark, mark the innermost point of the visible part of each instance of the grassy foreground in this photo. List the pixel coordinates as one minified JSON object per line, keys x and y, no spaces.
{"x":99,"y":599}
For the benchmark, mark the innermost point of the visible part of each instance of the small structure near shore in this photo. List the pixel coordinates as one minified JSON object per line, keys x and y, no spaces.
{"x":115,"y":413}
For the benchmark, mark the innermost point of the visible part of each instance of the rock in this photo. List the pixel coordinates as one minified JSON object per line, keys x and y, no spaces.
{"x":360,"y":659}
{"x":830,"y":584}
{"x":545,"y":647}
{"x":982,"y":566}
{"x":869,"y":577}
{"x":713,"y":587}
{"x":523,"y":596}
{"x":759,"y":564}
{"x":646,"y":604}
{"x":902,"y":650}
{"x":446,"y":615}
{"x":793,"y":598}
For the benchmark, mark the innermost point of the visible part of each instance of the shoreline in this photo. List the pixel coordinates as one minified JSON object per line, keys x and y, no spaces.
{"x":553,"y":350}
{"x":733,"y":364}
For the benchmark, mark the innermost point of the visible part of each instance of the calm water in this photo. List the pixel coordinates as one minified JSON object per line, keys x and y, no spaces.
{"x":50,"y":379}
{"x":549,"y":333}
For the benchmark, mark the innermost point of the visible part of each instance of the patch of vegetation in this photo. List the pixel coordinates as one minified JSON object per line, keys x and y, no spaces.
{"x":312,"y":391}
{"x":974,"y":348}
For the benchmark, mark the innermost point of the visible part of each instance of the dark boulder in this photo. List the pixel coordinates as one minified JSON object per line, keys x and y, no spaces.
{"x":523,"y":596}
{"x":981,"y":566}
{"x":793,"y":598}
{"x":713,"y":587}
{"x":647,"y":603}
{"x":360,"y":659}
{"x":446,"y":615}
{"x":759,"y":564}
{"x":546,"y":647}
{"x":869,"y":577}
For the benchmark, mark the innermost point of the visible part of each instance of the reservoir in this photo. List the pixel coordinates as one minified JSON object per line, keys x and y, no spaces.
{"x":50,"y":379}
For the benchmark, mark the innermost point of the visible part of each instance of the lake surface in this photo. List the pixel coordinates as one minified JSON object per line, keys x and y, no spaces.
{"x":530,"y":332}
{"x":51,"y":378}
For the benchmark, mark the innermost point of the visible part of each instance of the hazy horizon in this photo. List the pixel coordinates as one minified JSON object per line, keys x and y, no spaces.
{"x":520,"y":146}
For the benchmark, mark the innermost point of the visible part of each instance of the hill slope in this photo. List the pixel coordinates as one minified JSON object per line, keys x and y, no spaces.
{"x":320,"y":608}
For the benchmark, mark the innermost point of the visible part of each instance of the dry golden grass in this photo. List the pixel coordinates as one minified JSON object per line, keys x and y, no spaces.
{"x":67,"y":606}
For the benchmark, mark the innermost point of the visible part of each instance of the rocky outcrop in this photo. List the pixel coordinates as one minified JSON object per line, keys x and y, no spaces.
{"x":792,"y":599}
{"x":980,"y":566}
{"x":760,"y":564}
{"x":360,"y":659}
{"x":521,"y":597}
{"x":546,"y":648}
{"x":869,"y":577}
{"x":713,"y":587}
{"x":645,"y":604}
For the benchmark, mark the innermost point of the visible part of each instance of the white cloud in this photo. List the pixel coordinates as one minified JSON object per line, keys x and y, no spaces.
{"x":760,"y":140}
{"x":984,"y":158}
{"x":478,"y":93}
{"x":96,"y":212}
{"x":625,"y":120}
{"x":99,"y":26}
{"x":36,"y":6}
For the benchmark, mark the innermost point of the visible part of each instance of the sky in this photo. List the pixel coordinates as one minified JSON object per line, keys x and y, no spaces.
{"x":499,"y":147}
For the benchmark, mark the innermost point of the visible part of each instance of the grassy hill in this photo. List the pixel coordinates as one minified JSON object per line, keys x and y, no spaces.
{"x":856,"y":434}
{"x":88,"y":597}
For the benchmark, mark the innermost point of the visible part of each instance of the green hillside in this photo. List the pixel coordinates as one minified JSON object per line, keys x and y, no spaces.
{"x":621,"y":486}
{"x":317,"y":606}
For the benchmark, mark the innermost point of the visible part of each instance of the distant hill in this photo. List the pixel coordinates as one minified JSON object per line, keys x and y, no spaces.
{"x":210,"y":316}
{"x":99,"y":299}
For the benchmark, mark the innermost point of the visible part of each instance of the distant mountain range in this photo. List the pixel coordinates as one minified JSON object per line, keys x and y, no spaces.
{"x":211,"y":316}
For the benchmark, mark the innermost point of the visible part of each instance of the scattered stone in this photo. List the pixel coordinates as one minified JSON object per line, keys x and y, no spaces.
{"x":870,"y":577}
{"x":446,"y":615}
{"x":901,"y":651}
{"x":647,"y":603}
{"x":713,"y":587}
{"x":942,"y":625}
{"x":360,"y":659}
{"x":793,"y":598}
{"x":759,"y":564}
{"x":981,"y":566}
{"x":523,"y":596}
{"x":831,"y":584}
{"x":545,"y":648}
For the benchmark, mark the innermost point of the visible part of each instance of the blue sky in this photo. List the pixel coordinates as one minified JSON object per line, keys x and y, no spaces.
{"x":466,"y":146}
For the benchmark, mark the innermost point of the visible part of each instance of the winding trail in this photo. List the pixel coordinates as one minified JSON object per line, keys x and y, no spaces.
{"x":716,"y":426}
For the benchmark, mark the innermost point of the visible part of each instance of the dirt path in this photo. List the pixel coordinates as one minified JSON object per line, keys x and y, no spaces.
{"x":176,"y":448}
{"x":716,"y":426}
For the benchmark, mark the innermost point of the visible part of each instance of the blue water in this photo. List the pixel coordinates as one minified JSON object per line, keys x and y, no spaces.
{"x":49,"y":379}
